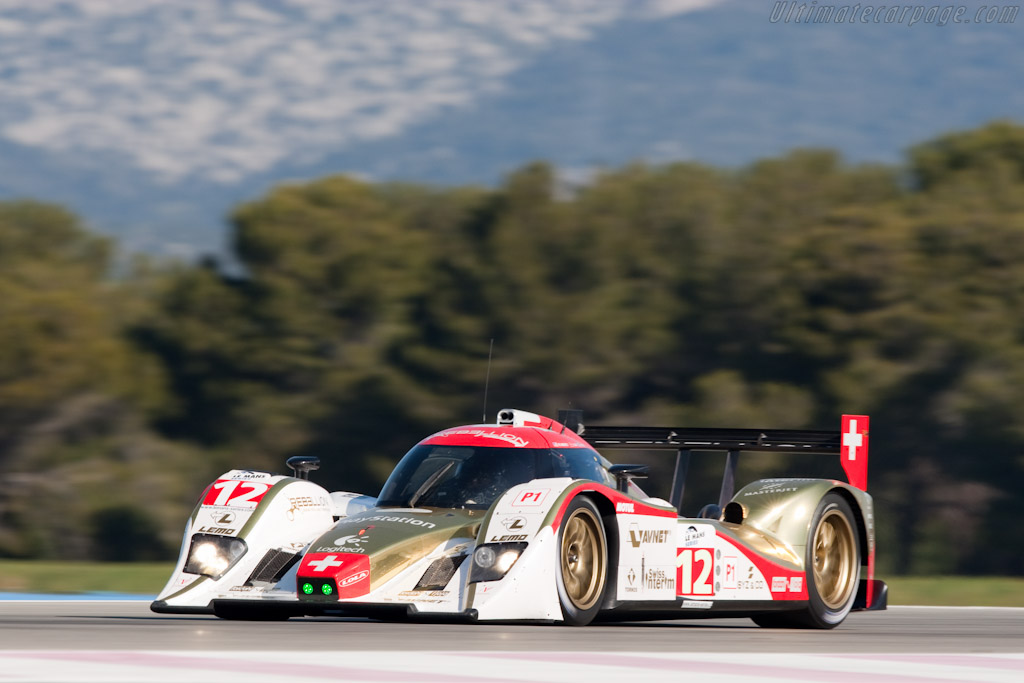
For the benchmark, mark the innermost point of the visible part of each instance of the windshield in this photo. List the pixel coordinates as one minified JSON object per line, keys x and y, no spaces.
{"x":474,"y":477}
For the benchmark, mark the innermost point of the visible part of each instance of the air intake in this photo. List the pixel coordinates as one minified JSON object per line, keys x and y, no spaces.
{"x":273,"y":566}
{"x":439,"y":573}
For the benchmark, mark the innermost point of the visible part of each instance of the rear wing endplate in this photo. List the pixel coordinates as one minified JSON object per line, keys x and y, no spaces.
{"x":850,"y":443}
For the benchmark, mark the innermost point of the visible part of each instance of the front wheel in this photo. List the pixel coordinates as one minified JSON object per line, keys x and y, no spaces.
{"x":832,"y":567}
{"x":582,"y":562}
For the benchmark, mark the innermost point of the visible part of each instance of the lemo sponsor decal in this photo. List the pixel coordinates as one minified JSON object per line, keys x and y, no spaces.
{"x":513,"y":523}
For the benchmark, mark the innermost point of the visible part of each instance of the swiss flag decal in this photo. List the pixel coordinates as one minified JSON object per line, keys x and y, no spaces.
{"x":854,"y":449}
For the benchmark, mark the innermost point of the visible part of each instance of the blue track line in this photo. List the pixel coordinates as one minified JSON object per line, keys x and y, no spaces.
{"x":55,"y":597}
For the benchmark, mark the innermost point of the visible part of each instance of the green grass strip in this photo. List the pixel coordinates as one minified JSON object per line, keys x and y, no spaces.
{"x":986,"y":591}
{"x":31,"y":576}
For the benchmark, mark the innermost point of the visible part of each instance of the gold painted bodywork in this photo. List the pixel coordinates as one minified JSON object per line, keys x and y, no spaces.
{"x":781,"y":510}
{"x":392,"y":546}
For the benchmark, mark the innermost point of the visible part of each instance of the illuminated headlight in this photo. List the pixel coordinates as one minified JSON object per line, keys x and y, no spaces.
{"x":212,"y":555}
{"x":493,"y":560}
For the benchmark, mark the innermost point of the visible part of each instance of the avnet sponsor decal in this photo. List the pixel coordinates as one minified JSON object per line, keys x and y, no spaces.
{"x":638,"y":536}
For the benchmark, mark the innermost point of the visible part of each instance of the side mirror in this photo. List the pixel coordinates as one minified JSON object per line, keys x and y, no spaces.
{"x":623,"y":473}
{"x":302,"y":465}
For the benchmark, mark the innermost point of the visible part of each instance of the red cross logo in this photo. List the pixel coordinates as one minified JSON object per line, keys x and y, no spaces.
{"x":328,"y":562}
{"x":853,"y":440}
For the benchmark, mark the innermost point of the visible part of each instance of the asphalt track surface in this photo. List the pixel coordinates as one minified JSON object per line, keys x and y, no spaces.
{"x":113,"y":641}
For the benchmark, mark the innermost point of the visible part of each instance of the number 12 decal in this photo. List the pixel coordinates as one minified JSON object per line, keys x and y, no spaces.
{"x":699,"y":561}
{"x":242,"y":494}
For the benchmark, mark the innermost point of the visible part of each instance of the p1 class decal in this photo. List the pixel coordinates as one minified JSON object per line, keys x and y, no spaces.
{"x":531,"y":498}
{"x":236,"y":493}
{"x":695,"y":572}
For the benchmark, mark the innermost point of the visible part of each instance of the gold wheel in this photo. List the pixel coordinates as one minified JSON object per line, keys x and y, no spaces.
{"x":835,"y":559}
{"x":583,"y":558}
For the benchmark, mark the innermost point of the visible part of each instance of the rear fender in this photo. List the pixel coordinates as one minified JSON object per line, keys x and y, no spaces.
{"x":782,"y":510}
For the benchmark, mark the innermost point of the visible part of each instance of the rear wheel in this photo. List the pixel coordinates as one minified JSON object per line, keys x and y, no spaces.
{"x":832,"y":568}
{"x":582,"y":562}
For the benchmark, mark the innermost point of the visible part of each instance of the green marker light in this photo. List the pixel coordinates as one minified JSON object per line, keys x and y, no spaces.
{"x":307,"y":588}
{"x":326,"y":588}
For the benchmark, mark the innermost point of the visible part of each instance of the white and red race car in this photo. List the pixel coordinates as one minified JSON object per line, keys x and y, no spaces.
{"x":525,"y":520}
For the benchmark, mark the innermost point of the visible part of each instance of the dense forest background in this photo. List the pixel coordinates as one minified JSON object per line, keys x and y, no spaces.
{"x":358,"y":316}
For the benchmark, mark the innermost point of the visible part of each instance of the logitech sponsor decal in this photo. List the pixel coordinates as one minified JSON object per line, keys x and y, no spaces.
{"x":353,"y":543}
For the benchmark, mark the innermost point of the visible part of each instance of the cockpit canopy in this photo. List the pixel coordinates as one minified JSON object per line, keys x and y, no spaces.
{"x":473,"y":477}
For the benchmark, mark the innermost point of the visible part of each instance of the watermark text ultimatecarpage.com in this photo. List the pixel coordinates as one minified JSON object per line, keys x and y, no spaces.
{"x":796,"y":12}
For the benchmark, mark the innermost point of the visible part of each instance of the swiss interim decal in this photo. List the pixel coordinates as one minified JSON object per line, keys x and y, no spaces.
{"x":695,"y":571}
{"x":236,"y":493}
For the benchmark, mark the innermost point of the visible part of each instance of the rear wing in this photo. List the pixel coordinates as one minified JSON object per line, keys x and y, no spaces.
{"x":850,"y":444}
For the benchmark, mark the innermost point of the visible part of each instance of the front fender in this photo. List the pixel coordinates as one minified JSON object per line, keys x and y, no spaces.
{"x":274,"y":515}
{"x":533,"y":512}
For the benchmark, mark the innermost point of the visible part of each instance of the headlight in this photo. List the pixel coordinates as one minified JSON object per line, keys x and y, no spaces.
{"x":492,"y":561}
{"x":212,"y":555}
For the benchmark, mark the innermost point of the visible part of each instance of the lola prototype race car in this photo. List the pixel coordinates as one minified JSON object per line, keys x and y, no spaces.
{"x":525,"y":520}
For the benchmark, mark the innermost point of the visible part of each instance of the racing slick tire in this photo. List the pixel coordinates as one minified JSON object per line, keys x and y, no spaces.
{"x":832,"y":569}
{"x":582,"y":574}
